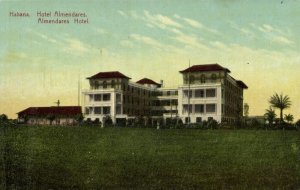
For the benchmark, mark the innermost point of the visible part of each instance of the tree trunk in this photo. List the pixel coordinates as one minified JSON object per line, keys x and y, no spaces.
{"x":281,"y":119}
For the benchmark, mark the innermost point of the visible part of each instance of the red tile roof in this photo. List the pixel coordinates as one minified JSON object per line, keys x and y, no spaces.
{"x":241,"y":84}
{"x":147,"y":81}
{"x":111,"y":74}
{"x":57,"y":111}
{"x":208,"y":67}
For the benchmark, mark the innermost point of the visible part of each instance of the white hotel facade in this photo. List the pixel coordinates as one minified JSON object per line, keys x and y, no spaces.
{"x":207,"y":92}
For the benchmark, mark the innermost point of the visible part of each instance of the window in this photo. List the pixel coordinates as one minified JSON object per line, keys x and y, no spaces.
{"x":211,"y":92}
{"x":118,"y":98}
{"x":118,"y":109}
{"x":97,"y":110}
{"x":96,"y":84}
{"x":186,"y":110}
{"x":174,"y":102}
{"x":192,"y":79}
{"x":91,"y":97}
{"x":222,"y":93}
{"x":104,"y":84}
{"x":106,"y":110}
{"x":202,"y":78}
{"x":97,"y":97}
{"x":113,"y":83}
{"x":186,"y":93}
{"x":210,"y":108}
{"x":199,"y":93}
{"x":213,"y":77}
{"x":199,"y":108}
{"x":222,"y":108}
{"x":187,"y":120}
{"x":168,"y":93}
{"x":87,"y":111}
{"x":198,"y":119}
{"x":106,"y":97}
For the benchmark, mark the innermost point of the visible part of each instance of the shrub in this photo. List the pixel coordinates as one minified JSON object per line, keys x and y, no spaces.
{"x":79,"y":118}
{"x":97,"y":122}
{"x":122,"y":122}
{"x":213,"y":124}
{"x":171,"y":122}
{"x":107,"y":121}
{"x":139,"y":121}
{"x":88,"y":121}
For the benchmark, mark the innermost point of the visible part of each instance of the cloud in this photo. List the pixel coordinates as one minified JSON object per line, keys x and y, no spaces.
{"x":146,"y":40}
{"x":190,"y":40}
{"x":75,"y":46}
{"x":282,"y":40}
{"x":193,"y":23}
{"x":265,"y":28}
{"x":274,"y":34}
{"x":122,"y":13}
{"x":160,"y":21}
{"x":126,"y":43}
{"x":196,"y":24}
{"x":100,"y":30}
{"x":243,"y":30}
{"x":44,"y":36}
{"x":219,"y":45}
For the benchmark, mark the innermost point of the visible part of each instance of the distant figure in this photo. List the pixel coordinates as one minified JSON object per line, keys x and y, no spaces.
{"x":157,"y":126}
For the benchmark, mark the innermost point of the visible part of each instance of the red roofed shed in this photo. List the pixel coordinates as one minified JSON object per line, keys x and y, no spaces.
{"x":43,"y":115}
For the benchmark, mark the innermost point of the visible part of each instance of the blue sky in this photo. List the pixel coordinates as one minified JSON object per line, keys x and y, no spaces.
{"x":40,"y":63}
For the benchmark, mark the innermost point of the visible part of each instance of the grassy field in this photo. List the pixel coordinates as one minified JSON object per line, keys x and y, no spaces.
{"x":133,"y":158}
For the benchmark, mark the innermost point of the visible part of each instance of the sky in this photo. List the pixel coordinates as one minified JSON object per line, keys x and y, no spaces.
{"x":40,"y":63}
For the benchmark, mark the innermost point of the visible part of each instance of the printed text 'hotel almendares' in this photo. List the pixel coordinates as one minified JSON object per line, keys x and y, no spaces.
{"x":207,"y":92}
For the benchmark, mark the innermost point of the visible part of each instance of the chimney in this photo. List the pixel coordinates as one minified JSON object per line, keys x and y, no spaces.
{"x":161,"y":83}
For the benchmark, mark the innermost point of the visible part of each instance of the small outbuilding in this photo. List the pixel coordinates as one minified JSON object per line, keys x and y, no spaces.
{"x":57,"y":115}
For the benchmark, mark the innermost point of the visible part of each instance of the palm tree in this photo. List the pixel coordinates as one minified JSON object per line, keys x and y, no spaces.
{"x":270,"y":115}
{"x":289,"y":118}
{"x":281,"y":102}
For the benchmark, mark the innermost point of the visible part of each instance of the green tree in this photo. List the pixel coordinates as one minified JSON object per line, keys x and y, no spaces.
{"x":270,"y":115}
{"x":3,"y":118}
{"x":281,"y":102}
{"x":289,"y":118}
{"x":79,"y":118}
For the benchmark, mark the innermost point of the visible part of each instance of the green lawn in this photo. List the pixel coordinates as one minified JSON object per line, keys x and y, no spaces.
{"x":134,"y":158}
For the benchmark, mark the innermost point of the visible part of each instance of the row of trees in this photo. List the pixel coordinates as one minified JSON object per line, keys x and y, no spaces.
{"x":280,"y":102}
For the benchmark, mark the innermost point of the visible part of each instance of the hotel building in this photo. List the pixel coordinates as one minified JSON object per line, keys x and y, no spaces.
{"x":207,"y":92}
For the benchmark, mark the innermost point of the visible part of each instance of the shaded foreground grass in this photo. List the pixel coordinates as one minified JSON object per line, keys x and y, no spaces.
{"x":35,"y":157}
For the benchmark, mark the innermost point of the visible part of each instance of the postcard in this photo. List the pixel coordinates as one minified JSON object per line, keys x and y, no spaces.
{"x":142,"y":67}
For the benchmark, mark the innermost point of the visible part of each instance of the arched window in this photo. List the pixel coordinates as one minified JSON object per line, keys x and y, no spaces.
{"x":213,"y":77}
{"x":96,"y":84}
{"x":113,"y":83}
{"x":202,"y":78}
{"x":192,"y":79}
{"x":104,"y":84}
